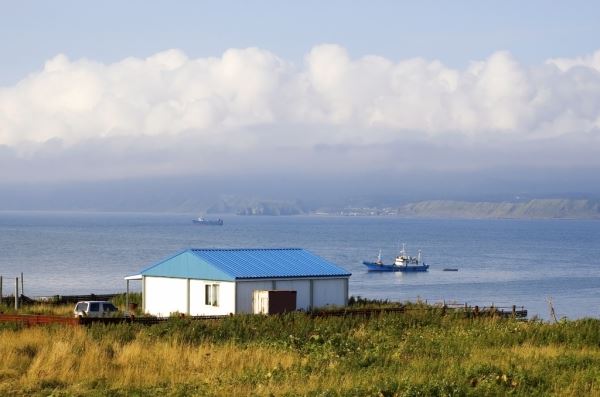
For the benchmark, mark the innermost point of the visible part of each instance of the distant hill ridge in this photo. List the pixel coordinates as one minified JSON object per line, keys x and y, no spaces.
{"x":532,"y":209}
{"x":535,"y":209}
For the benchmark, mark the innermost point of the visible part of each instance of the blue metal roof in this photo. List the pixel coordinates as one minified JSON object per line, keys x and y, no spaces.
{"x":239,"y":264}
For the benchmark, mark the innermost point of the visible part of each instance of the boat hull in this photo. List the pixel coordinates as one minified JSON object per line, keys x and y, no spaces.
{"x":380,"y":267}
{"x":208,"y":223}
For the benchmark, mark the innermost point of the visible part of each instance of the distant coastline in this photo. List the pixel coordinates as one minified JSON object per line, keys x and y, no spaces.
{"x":541,"y":208}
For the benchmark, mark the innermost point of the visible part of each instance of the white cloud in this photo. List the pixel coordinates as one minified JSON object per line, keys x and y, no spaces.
{"x":589,"y":61}
{"x":251,"y":101}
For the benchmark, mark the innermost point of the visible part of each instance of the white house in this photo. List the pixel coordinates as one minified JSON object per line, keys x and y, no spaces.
{"x":222,"y":281}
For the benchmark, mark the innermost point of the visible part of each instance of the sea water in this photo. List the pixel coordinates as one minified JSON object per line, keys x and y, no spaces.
{"x":500,"y":262}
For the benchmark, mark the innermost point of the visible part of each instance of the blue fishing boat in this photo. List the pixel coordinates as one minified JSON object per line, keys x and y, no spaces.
{"x":208,"y":222}
{"x":402,"y":263}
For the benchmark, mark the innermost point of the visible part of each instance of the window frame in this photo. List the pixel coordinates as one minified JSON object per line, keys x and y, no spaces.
{"x":211,"y":294}
{"x":215,"y":295}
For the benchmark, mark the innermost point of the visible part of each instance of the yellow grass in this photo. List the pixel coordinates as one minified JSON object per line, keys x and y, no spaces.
{"x":35,"y":357}
{"x":434,"y":360}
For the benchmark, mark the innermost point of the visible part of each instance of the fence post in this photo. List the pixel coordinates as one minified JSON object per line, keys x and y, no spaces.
{"x":22,"y":286}
{"x":1,"y":296}
{"x":514,"y":311}
{"x":17,"y":293}
{"x":127,"y":300}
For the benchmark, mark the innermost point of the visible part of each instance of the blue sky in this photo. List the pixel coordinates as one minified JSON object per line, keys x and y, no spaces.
{"x":454,"y":32}
{"x":136,"y":89}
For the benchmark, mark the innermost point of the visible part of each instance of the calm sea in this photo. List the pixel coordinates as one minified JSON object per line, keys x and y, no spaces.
{"x":500,"y":262}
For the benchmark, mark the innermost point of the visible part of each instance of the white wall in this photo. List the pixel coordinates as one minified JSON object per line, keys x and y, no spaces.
{"x":302,"y":288}
{"x":197,"y":299}
{"x":329,"y":292}
{"x":245,"y":289}
{"x":325,"y":292}
{"x":164,"y":296}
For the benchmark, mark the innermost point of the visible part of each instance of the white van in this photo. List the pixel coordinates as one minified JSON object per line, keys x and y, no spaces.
{"x":94,"y":309}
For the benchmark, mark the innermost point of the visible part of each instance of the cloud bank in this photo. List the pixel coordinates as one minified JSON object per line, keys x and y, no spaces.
{"x":250,"y":109}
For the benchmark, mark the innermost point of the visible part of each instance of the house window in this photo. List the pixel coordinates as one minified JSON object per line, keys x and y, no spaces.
{"x":211,"y":294}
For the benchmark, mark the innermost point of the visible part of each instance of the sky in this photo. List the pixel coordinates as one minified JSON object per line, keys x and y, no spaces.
{"x":492,"y":96}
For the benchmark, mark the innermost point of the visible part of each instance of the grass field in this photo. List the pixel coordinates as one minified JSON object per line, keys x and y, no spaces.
{"x":417,"y":353}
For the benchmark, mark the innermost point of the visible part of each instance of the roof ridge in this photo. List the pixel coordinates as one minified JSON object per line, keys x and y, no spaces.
{"x":248,"y":263}
{"x":247,"y":249}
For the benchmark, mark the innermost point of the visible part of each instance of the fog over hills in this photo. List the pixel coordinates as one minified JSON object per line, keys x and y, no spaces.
{"x":423,"y":195}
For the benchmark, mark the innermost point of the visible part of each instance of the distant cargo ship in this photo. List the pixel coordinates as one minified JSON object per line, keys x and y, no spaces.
{"x":208,"y":222}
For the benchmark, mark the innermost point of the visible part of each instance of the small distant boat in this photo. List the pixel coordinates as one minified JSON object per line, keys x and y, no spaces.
{"x":450,"y":269}
{"x":403,"y":263}
{"x":208,"y":222}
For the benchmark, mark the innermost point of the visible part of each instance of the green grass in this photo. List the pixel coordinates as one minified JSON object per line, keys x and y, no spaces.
{"x":61,"y":309}
{"x":417,"y":353}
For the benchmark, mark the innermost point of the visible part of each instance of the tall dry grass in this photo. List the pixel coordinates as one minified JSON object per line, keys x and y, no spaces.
{"x":419,"y":353}
{"x":37,"y":359}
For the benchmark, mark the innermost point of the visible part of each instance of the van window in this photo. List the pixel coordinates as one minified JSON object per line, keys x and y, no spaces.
{"x":109,"y":307}
{"x":94,"y":307}
{"x":81,"y":307}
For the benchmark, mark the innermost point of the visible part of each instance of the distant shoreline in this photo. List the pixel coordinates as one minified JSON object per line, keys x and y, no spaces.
{"x":560,"y":209}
